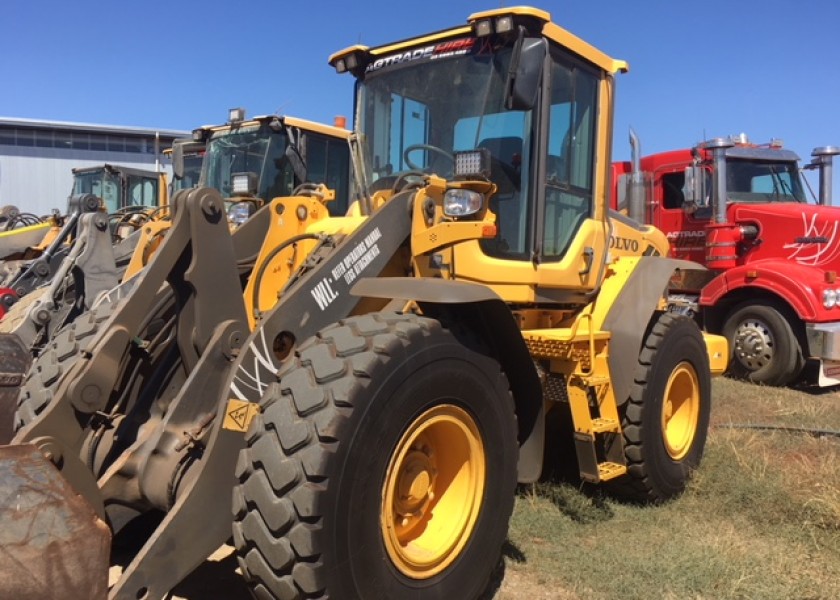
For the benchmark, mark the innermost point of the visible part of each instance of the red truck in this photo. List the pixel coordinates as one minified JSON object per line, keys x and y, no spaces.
{"x":741,"y":209}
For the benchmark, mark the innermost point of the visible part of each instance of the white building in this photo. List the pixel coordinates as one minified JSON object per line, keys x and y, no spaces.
{"x":36,"y":157}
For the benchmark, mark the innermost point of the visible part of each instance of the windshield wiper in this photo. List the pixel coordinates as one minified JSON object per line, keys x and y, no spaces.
{"x":779,"y":182}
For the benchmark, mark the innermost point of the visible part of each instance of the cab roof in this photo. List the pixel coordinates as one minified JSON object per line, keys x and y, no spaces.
{"x":541,"y":24}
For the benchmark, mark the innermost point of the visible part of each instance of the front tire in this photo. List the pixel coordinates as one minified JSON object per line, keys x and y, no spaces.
{"x":666,"y":419}
{"x":763,"y":345}
{"x":383,"y":465}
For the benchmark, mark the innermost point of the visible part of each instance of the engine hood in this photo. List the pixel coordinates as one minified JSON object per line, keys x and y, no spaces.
{"x":807,"y":234}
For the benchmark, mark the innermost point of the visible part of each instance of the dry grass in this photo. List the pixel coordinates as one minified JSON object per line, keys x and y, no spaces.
{"x":761,"y":518}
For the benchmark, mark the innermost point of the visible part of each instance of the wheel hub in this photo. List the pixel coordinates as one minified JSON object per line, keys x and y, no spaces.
{"x":415,"y":483}
{"x":753,"y":344}
{"x":432,"y":491}
{"x":681,"y":410}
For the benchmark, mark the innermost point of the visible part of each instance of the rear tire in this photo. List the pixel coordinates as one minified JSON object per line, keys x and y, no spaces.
{"x":666,"y":419}
{"x":764,"y":348}
{"x":383,"y":465}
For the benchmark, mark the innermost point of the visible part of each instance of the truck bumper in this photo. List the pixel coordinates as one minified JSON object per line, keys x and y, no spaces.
{"x":824,"y":344}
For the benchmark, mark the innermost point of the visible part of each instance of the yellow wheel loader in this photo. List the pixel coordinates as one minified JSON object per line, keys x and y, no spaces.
{"x":363,"y":438}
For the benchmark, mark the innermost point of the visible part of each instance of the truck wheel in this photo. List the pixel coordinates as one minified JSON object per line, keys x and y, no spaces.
{"x":666,"y":418}
{"x":382,"y":465}
{"x":763,"y":346}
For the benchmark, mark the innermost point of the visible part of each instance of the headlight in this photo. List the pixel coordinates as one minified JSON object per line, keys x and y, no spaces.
{"x":460,"y":203}
{"x":829,"y":298}
{"x":240,"y":212}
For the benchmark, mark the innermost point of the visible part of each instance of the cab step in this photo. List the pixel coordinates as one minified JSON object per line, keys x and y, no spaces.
{"x":604,"y":425}
{"x":611,"y":470}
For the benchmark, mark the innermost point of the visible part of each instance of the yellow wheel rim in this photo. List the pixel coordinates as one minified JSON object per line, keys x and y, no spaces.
{"x":681,"y":410}
{"x":432,"y":492}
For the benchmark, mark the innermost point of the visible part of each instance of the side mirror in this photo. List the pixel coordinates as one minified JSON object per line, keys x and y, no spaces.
{"x":694,"y":189}
{"x":178,"y":161}
{"x":525,"y":72}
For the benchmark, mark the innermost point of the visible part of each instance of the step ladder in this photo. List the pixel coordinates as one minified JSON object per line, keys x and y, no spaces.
{"x":578,"y":358}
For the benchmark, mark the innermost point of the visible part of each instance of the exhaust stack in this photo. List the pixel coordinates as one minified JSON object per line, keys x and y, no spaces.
{"x":824,"y":159}
{"x":718,"y":147}
{"x":636,"y":188}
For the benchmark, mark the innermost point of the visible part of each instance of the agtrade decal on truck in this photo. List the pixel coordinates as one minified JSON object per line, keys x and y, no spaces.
{"x":687,"y":240}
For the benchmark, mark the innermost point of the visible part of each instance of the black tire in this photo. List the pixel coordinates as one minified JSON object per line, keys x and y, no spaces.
{"x":660,"y":457}
{"x":56,"y":358}
{"x":763,"y":346}
{"x":312,"y":481}
{"x":59,"y":355}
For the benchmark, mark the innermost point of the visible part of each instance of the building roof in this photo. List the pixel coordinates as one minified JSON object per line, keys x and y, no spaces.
{"x":7,"y":122}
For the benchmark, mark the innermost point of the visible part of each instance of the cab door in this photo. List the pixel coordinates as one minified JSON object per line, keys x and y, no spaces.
{"x":686,"y":231}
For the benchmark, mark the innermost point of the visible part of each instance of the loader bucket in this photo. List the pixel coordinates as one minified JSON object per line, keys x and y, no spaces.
{"x":15,"y":359}
{"x":16,"y":241}
{"x":52,"y":544}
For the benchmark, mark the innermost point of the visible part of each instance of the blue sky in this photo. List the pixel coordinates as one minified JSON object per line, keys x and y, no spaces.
{"x":764,"y":67}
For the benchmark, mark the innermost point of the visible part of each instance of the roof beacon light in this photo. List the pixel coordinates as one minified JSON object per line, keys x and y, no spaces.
{"x":236,"y":115}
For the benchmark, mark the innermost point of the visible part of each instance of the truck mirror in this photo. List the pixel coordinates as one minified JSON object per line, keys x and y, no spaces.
{"x":694,"y":188}
{"x":525,"y":72}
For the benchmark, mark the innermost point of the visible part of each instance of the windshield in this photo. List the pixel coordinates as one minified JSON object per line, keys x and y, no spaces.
{"x":414,"y":114}
{"x":99,"y":183}
{"x":251,"y":149}
{"x":763,"y":181}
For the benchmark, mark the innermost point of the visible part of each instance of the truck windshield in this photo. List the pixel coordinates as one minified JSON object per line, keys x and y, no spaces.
{"x":100,"y":183}
{"x":417,"y":107}
{"x":763,"y":181}
{"x":250,"y":149}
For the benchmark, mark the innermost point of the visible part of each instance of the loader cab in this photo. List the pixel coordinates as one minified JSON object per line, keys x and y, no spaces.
{"x":120,"y":188}
{"x":251,"y":162}
{"x":529,"y":106}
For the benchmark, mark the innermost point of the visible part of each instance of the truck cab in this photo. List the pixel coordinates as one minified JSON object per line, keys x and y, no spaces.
{"x":741,"y":209}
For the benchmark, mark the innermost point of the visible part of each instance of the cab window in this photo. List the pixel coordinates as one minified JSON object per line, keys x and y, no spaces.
{"x":571,"y":155}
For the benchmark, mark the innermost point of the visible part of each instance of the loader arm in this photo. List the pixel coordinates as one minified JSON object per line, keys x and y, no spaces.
{"x":184,"y":459}
{"x":87,"y":386}
{"x":224,"y":392}
{"x":41,"y":268}
{"x":90,"y":265}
